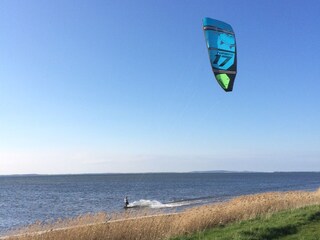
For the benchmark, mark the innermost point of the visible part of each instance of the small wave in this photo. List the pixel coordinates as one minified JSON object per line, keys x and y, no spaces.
{"x":156,"y":204}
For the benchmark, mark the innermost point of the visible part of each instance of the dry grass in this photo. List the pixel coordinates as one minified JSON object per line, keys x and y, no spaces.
{"x":163,"y":226}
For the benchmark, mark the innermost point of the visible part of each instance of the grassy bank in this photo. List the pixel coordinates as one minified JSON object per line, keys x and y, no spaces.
{"x":303,"y":223}
{"x":133,"y":226}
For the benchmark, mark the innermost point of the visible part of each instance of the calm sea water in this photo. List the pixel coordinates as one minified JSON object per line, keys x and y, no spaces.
{"x":26,"y":199}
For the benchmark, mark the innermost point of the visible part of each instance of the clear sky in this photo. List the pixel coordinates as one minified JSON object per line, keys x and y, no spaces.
{"x":126,"y":86}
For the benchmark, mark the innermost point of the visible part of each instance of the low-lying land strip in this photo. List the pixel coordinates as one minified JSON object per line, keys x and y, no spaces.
{"x":166,"y":226}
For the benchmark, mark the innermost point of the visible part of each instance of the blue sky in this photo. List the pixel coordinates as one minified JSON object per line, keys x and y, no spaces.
{"x":126,"y":86}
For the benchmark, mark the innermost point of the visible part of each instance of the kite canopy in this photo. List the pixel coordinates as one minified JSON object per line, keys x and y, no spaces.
{"x":221,"y":44}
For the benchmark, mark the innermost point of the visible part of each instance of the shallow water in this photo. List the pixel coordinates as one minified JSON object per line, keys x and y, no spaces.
{"x":26,"y":199}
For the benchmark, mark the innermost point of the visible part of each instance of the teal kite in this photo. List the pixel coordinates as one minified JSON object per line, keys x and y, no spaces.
{"x":221,"y":44}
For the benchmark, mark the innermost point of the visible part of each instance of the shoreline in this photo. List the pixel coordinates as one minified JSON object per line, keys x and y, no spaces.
{"x":164,"y":225}
{"x":86,"y":225}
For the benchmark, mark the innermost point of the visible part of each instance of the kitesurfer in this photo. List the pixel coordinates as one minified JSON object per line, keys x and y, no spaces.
{"x":126,"y":201}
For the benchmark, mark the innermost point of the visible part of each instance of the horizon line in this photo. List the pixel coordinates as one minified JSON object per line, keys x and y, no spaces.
{"x":177,"y":172}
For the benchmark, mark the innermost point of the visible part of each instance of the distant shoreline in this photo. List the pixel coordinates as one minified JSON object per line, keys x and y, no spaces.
{"x":119,"y":173}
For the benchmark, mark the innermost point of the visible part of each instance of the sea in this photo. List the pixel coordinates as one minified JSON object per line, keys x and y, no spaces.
{"x":27,"y":199}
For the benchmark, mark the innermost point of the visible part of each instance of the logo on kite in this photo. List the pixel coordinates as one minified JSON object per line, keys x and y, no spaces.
{"x":221,"y":44}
